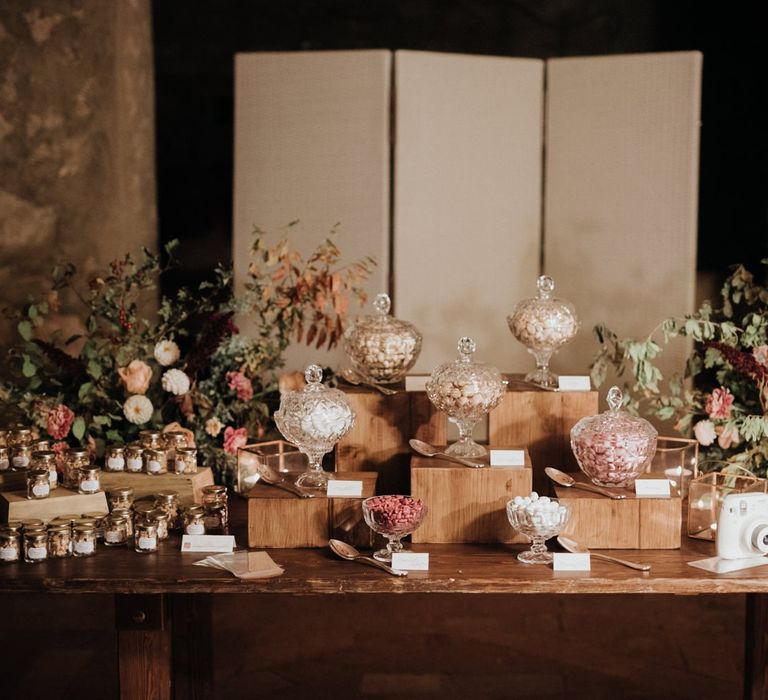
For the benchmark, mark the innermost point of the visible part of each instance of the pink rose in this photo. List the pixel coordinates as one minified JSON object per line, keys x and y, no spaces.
{"x":136,"y":376}
{"x":59,"y":422}
{"x":719,"y":404}
{"x":234,"y":439}
{"x":760,"y":353}
{"x":241,"y":385}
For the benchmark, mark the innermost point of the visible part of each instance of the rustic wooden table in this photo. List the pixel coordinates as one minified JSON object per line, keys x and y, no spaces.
{"x":163,"y":601}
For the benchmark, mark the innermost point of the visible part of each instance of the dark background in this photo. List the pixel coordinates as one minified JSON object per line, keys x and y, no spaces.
{"x":195,"y":41}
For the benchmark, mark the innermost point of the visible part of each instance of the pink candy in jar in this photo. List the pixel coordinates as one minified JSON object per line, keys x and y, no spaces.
{"x":613,"y":448}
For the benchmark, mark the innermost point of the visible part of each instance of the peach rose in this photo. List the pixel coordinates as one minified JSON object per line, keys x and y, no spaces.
{"x":290,"y":381}
{"x":136,"y":377}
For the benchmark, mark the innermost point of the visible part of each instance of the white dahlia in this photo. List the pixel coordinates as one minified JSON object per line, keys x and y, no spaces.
{"x":175,"y":382}
{"x":138,"y":409}
{"x":167,"y":352}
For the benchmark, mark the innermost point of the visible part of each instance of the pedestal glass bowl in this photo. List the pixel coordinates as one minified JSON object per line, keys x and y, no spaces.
{"x":538,"y":519}
{"x":543,"y":324}
{"x":394,"y":517}
{"x":466,"y":391}
{"x":314,"y":419}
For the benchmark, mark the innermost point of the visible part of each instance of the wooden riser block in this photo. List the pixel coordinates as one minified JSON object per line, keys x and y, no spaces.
{"x":540,"y":421}
{"x":14,"y":505}
{"x":383,"y":426}
{"x":278,"y":519}
{"x":188,"y":486}
{"x":12,"y":481}
{"x":465,"y":504}
{"x":598,"y":522}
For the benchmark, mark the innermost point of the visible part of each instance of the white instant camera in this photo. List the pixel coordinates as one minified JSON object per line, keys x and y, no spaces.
{"x":742,"y":530}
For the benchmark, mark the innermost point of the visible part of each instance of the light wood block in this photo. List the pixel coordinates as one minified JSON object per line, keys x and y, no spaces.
{"x":279,"y":519}
{"x":188,"y":486}
{"x":540,"y":421}
{"x":464,"y":504}
{"x":14,"y":505}
{"x":635,"y":523}
{"x":379,"y":438}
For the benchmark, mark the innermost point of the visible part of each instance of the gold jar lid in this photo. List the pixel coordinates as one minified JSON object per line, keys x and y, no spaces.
{"x":158,"y":514}
{"x":38,"y":473}
{"x":9,"y":535}
{"x":14,"y":525}
{"x":77,"y":453}
{"x":195,"y":509}
{"x":116,"y":449}
{"x":91,"y":471}
{"x":69,"y":516}
{"x":53,"y":526}
{"x":143,"y":506}
{"x":155,"y":453}
{"x":32,"y":522}
{"x":38,"y":529}
{"x":64,"y":522}
{"x":186,"y":450}
{"x":175,"y":438}
{"x":167,"y":496}
{"x":149,"y":528}
{"x":95,"y":515}
{"x":89,"y":522}
{"x":45,"y":456}
{"x":23,"y":434}
{"x":41,"y":445}
{"x":84,"y":529}
{"x":214,"y":508}
{"x":123,"y":492}
{"x":36,"y":535}
{"x":135,"y":446}
{"x":217,"y":489}
{"x":116,"y":518}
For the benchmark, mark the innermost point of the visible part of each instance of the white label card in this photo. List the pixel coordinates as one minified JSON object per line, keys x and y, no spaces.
{"x":337,"y":487}
{"x":208,"y":543}
{"x":416,"y":382}
{"x":507,"y":458}
{"x":411,"y":561}
{"x":567,"y":561}
{"x":652,"y":488}
{"x":573,"y":383}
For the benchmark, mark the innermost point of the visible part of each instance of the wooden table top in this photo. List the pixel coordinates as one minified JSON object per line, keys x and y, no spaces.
{"x":453,"y":569}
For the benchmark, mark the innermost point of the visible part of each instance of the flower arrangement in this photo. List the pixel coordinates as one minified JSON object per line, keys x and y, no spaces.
{"x":726,"y":403}
{"x":187,"y":368}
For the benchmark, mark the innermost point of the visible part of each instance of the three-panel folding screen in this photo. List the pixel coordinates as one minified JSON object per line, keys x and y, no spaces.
{"x":468,"y":176}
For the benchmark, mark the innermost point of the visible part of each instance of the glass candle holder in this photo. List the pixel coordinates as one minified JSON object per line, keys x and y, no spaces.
{"x":676,"y":459}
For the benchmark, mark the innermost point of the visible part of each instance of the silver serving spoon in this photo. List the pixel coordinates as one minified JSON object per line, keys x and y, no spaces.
{"x":425,"y":449}
{"x":348,"y":552}
{"x":563,"y":479}
{"x":273,"y":478}
{"x":352,"y":377}
{"x":573,"y":546}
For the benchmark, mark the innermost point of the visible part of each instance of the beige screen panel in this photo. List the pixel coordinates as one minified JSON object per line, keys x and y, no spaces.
{"x":467,"y":199}
{"x":622,"y":192}
{"x":312,"y":143}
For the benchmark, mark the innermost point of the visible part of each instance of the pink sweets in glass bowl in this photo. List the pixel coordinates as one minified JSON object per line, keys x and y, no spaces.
{"x":394,"y":517}
{"x":613,"y":448}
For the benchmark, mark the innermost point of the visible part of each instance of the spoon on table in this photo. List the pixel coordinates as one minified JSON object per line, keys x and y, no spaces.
{"x":573,"y":546}
{"x":352,"y":377}
{"x":563,"y":479}
{"x":273,"y":478}
{"x":425,"y":449}
{"x":348,"y":552}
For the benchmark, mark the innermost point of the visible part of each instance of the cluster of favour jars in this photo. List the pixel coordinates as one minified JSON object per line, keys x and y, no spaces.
{"x":154,"y":453}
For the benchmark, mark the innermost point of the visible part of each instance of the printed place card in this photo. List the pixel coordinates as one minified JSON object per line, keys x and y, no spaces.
{"x":507,"y":458}
{"x":410,"y":561}
{"x":337,"y":487}
{"x":416,"y":382}
{"x":724,"y":566}
{"x":568,"y":561}
{"x":652,"y":488}
{"x":574,"y":383}
{"x":208,"y":543}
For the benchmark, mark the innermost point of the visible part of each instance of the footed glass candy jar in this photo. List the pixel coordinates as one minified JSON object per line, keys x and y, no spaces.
{"x":382,"y":348}
{"x":543,"y":324}
{"x":465,"y":390}
{"x":613,"y":448}
{"x":314,"y":419}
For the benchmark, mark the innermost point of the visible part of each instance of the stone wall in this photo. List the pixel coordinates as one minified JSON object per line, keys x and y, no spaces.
{"x":77,"y":161}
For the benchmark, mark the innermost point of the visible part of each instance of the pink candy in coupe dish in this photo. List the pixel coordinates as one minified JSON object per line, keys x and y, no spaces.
{"x":394,"y":517}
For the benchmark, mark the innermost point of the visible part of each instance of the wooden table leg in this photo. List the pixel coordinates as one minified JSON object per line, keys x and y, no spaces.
{"x":144,"y":647}
{"x":756,"y":647}
{"x":192,"y":646}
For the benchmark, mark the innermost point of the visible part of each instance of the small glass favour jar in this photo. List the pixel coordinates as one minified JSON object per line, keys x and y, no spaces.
{"x":168,"y":501}
{"x":114,"y":458}
{"x":40,"y":446}
{"x":134,"y":461}
{"x":75,"y":459}
{"x":46,"y":459}
{"x":155,"y":462}
{"x":382,"y":348}
{"x":10,"y":546}
{"x":466,"y":391}
{"x":83,"y":540}
{"x":172,"y":440}
{"x":314,"y":419}
{"x":32,"y":524}
{"x":215,"y":519}
{"x":35,"y":546}
{"x":115,"y":530}
{"x":19,"y":437}
{"x":89,"y":480}
{"x":142,"y":508}
{"x":59,"y":541}
{"x":21,"y":457}
{"x":613,"y":448}
{"x":127,"y":515}
{"x":216,"y":494}
{"x":120,"y":499}
{"x":37,"y":484}
{"x":145,"y":537}
{"x":194,"y":520}
{"x":543,"y":324}
{"x":161,"y":521}
{"x":98,"y":522}
{"x":5,"y":458}
{"x":185,"y":460}
{"x":151,"y":439}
